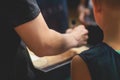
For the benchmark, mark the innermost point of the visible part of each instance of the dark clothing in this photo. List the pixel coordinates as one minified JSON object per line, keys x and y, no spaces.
{"x":13,"y":57}
{"x":103,"y":62}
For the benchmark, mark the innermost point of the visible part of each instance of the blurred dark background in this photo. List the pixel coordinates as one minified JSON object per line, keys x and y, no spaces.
{"x":59,"y":14}
{"x":55,"y":13}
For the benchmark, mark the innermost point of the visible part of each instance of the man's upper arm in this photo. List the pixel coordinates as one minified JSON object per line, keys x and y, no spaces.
{"x":33,"y":32}
{"x":79,"y":69}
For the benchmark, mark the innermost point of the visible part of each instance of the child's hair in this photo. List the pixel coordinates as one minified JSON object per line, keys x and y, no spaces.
{"x":110,"y":3}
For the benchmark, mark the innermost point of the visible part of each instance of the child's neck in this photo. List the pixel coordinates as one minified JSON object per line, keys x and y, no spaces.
{"x":114,"y":45}
{"x":112,"y":36}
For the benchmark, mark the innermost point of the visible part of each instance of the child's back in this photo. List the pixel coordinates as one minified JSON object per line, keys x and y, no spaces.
{"x":103,"y":62}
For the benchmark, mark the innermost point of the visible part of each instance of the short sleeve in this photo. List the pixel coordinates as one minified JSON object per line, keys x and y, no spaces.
{"x":17,"y":12}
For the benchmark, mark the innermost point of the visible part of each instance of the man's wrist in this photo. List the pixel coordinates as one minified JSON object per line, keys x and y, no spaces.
{"x":70,"y":40}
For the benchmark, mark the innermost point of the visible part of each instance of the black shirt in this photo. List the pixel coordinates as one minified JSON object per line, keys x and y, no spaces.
{"x":13,"y":60}
{"x":103,"y":62}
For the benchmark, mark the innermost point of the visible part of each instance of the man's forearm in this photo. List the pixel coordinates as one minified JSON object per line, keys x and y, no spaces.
{"x":58,"y":43}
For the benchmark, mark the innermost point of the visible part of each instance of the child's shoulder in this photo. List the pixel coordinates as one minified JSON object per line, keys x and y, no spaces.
{"x":97,"y":47}
{"x":95,"y":50}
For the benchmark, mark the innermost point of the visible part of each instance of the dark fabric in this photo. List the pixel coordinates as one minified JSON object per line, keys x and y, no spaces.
{"x":23,"y":67}
{"x":103,"y":62}
{"x":13,"y":61}
{"x":95,"y":35}
{"x":16,"y":12}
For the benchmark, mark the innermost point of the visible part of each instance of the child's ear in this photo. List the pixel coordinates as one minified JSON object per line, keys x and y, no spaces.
{"x":97,"y":5}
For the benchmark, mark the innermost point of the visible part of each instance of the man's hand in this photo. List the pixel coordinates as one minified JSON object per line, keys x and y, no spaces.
{"x":80,"y":34}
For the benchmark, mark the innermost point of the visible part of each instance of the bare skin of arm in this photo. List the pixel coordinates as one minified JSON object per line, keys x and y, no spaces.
{"x":79,"y":69}
{"x":83,"y":2}
{"x":46,"y":61}
{"x":65,"y":56}
{"x":44,"y":41}
{"x":83,"y":11}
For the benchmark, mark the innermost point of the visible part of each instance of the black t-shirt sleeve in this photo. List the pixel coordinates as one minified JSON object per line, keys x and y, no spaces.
{"x":21,"y":11}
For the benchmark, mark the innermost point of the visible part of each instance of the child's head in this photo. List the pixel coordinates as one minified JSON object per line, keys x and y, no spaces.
{"x":107,"y":16}
{"x":110,"y":3}
{"x":106,"y":11}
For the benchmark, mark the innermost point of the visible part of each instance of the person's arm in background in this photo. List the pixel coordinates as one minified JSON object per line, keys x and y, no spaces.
{"x":83,"y":2}
{"x":47,"y":61}
{"x":44,"y":41}
{"x":79,"y":69}
{"x":83,"y":11}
